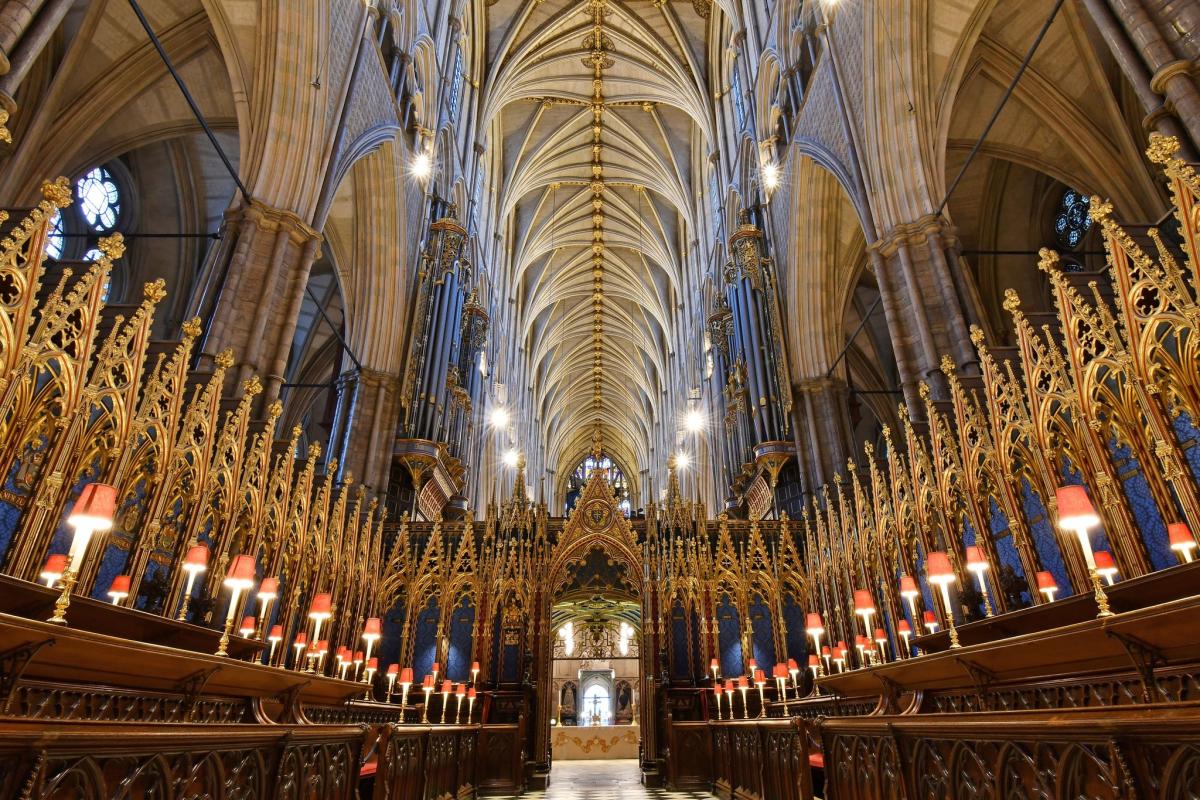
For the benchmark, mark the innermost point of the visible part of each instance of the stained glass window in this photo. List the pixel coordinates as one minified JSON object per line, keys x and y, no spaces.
{"x":616,"y":479}
{"x":99,"y":200}
{"x":1073,"y":219}
{"x":455,"y":87}
{"x":55,"y":240}
{"x":739,"y":102}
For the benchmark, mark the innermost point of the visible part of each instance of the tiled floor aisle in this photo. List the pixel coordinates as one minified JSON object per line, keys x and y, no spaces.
{"x":603,"y":780}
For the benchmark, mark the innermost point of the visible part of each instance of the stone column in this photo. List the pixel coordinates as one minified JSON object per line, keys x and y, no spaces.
{"x":368,"y":405}
{"x":929,"y":302}
{"x":1164,"y":33}
{"x":25,"y":29}
{"x":823,"y":431}
{"x":259,"y":280}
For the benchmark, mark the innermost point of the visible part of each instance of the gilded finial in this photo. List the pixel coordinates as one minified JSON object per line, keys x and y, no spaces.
{"x":155,"y":291}
{"x":977,"y":337}
{"x":191,"y":328}
{"x":1162,"y":148}
{"x":947,"y":365}
{"x":1099,"y":210}
{"x":252,"y":386}
{"x":58,"y":192}
{"x":225,"y":359}
{"x":1047,"y":261}
{"x":275,"y":410}
{"x":113,"y":246}
{"x":1012,"y":301}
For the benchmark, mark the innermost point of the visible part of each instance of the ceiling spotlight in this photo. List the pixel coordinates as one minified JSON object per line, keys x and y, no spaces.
{"x":511,"y":457}
{"x":499,"y":417}
{"x":682,"y":460}
{"x":770,"y":175}
{"x":422,"y":166}
{"x":694,"y":421}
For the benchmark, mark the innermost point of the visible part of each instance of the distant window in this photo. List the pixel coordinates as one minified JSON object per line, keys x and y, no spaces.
{"x":1073,"y":219}
{"x":739,"y":102}
{"x":455,"y":87}
{"x":99,"y":199}
{"x":55,"y":241}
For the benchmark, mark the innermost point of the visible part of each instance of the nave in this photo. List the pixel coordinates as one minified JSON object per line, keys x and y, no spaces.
{"x":603,"y":780}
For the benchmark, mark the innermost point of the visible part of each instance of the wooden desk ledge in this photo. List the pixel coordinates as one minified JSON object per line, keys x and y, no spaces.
{"x":1167,"y":632}
{"x":62,"y":654}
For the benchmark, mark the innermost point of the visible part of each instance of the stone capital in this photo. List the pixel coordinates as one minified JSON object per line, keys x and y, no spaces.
{"x":269,"y":218}
{"x":915,"y":233}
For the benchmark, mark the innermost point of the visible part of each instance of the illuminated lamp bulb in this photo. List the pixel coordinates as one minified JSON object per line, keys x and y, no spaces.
{"x":1182,"y":541}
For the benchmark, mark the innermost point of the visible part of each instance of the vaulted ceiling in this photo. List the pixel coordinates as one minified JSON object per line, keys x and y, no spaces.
{"x":599,"y":114}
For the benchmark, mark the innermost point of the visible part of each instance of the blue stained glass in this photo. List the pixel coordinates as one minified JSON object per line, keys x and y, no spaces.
{"x":1150,"y":523}
{"x":793,"y":617}
{"x":1010,"y":558}
{"x":1045,"y":542}
{"x":462,"y":628}
{"x":1189,"y":437}
{"x":729,"y":638}
{"x":425,"y":640}
{"x":764,"y":632}
{"x":111,"y":564}
{"x":679,"y":644}
{"x":393,"y":632}
{"x":10,"y":515}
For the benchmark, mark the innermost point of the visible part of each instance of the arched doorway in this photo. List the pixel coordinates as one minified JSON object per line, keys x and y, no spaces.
{"x":592,"y":659}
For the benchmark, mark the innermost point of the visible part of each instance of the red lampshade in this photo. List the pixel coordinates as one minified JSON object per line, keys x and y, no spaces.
{"x":880,"y":634}
{"x":825,"y":651}
{"x":460,"y":689}
{"x":780,"y":671}
{"x":95,"y":507}
{"x":248,"y":624}
{"x":1046,"y":581}
{"x":752,"y":665}
{"x":1104,"y":562}
{"x":196,"y":559}
{"x":323,"y":646}
{"x":471,"y":693}
{"x":813,"y":661}
{"x":474,"y":666}
{"x":406,"y":675}
{"x":269,"y":588}
{"x":792,"y":665}
{"x":276,"y":633}
{"x":56,"y":565}
{"x":813,"y":623}
{"x":713,"y":664}
{"x":975,"y":559}
{"x":729,"y":685}
{"x":863,"y":602}
{"x":357,"y":657}
{"x":908,"y":586}
{"x":321,"y":606}
{"x":717,"y":690}
{"x":930,"y":619}
{"x":436,"y":667}
{"x":301,"y":638}
{"x":903,"y":627}
{"x":760,"y":676}
{"x":842,"y":647}
{"x":372,"y":663}
{"x":1075,"y":510}
{"x":447,"y":687}
{"x":743,"y":682}
{"x":393,"y":669}
{"x":937,"y":567}
{"x":861,"y":641}
{"x":427,"y":683}
{"x":341,"y":654}
{"x":373,"y":629}
{"x":120,"y":585}
{"x":241,"y":572}
{"x":1180,"y":537}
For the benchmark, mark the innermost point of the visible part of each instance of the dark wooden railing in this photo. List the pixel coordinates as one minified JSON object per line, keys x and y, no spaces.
{"x":754,"y":759}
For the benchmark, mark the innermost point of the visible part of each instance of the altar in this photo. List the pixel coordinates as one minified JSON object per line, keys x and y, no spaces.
{"x":571,"y":743}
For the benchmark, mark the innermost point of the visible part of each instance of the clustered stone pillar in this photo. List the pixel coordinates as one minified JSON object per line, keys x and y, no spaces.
{"x":1155,"y":43}
{"x":26,"y":27}
{"x":367,"y":407}
{"x":929,"y":302}
{"x":822,"y":426}
{"x":265,"y":259}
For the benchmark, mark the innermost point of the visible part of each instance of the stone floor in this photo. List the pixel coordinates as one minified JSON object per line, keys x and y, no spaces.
{"x":603,"y":780}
